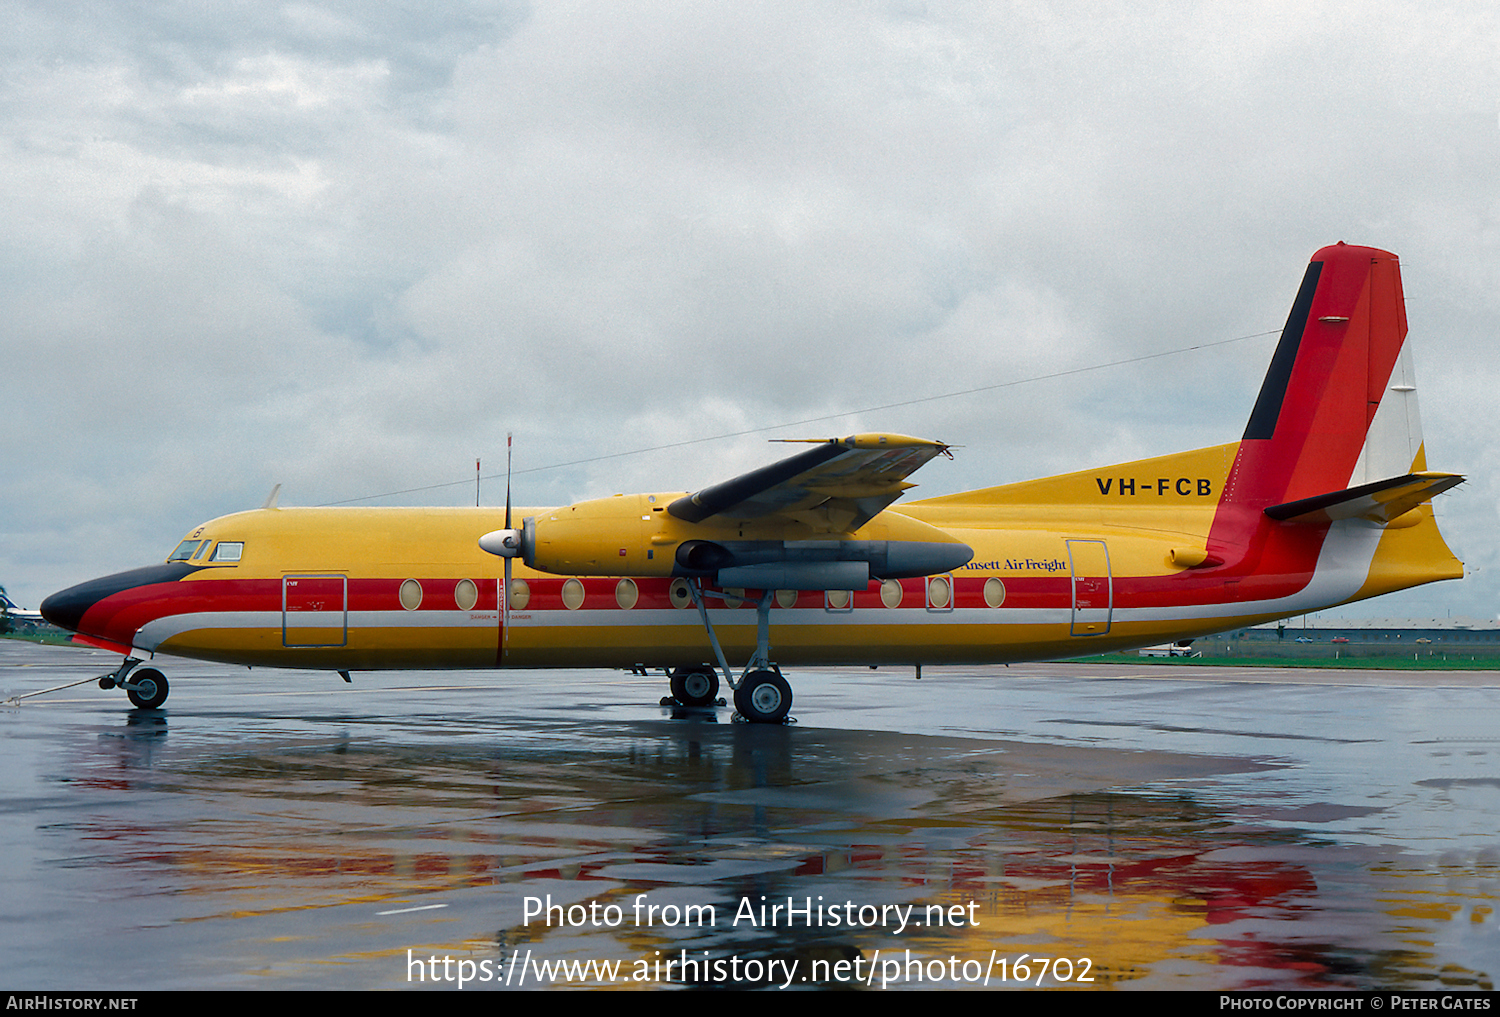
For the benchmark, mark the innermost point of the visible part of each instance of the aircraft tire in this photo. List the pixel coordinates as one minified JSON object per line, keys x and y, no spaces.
{"x":152,"y":690}
{"x":764,"y":697}
{"x":695,"y":686}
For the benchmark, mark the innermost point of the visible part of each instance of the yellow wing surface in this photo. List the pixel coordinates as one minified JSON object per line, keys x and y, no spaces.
{"x":835,"y":487}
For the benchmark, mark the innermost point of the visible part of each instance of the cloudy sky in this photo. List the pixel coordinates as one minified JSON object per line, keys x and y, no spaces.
{"x":346,"y":247}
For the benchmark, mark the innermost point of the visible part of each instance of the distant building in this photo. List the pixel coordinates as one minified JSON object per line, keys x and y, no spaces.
{"x":1372,"y":637}
{"x":1370,"y":630}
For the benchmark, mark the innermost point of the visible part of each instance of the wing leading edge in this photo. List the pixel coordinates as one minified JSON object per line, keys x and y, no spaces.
{"x":1381,"y":502}
{"x":835,"y":487}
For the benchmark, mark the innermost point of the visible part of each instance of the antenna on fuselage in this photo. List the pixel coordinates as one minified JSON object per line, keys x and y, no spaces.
{"x":271,"y":498}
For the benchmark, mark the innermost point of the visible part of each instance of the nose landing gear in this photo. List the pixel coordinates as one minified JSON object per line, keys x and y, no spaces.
{"x":147,"y":689}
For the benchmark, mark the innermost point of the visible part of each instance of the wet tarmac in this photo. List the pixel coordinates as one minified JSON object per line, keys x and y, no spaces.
{"x":1137,"y":826}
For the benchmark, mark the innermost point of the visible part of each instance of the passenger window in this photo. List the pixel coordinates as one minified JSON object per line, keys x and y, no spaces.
{"x":228,"y":550}
{"x":185,"y":550}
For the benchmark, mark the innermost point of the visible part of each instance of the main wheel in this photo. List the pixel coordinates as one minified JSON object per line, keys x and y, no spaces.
{"x":764,"y":697}
{"x":695,"y":686}
{"x":150,"y":688}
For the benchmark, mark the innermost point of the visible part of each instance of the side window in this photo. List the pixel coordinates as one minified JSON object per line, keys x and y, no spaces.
{"x":228,"y":550}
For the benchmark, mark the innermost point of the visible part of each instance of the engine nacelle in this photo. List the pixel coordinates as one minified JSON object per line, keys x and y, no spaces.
{"x":602,"y":537}
{"x":633,"y":535}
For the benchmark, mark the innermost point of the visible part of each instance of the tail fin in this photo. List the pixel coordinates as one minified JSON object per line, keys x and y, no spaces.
{"x":1329,"y":483}
{"x":1338,"y":408}
{"x":1335,"y":435}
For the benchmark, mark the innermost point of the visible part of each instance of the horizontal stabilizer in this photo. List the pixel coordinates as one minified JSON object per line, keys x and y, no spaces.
{"x":1379,"y":502}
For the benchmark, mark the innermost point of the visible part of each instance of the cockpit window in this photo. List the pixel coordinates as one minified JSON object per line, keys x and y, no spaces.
{"x":202,"y":550}
{"x":185,"y":550}
{"x":228,"y":550}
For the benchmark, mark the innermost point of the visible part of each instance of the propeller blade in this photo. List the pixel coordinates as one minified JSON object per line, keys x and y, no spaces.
{"x":505,"y":593}
{"x":505,"y":612}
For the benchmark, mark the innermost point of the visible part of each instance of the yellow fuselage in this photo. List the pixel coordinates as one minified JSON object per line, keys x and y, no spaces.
{"x":1072,"y":565}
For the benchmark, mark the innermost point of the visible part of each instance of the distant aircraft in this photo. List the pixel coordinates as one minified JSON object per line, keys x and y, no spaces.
{"x":1323,"y":501}
{"x":17,"y":622}
{"x":10,"y":609}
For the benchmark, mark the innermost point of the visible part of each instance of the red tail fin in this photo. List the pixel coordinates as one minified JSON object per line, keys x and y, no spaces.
{"x":1336,"y":421}
{"x":1331,"y":371}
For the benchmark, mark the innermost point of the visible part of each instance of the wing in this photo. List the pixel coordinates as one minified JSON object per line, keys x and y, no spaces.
{"x":835,"y":487}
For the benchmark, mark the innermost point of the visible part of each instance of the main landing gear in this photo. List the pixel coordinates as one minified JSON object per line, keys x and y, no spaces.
{"x":147,"y":689}
{"x":695,"y":686}
{"x":762,"y":695}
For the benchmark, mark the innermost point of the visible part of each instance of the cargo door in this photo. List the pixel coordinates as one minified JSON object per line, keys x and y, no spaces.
{"x":1093,"y":590}
{"x":314,"y":611}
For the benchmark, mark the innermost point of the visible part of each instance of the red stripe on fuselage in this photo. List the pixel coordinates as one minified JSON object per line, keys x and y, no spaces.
{"x":118,"y":618}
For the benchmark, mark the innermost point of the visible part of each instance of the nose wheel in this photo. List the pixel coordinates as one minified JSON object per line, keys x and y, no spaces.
{"x":147,"y":688}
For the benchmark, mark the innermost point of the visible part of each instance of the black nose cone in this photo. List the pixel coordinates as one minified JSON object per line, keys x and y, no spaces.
{"x":67,"y":608}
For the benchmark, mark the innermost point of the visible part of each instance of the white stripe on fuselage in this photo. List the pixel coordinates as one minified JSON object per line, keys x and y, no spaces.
{"x":159,"y":630}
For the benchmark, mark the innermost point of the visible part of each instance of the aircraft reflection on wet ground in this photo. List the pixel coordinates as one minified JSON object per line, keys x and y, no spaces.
{"x":275,"y":830}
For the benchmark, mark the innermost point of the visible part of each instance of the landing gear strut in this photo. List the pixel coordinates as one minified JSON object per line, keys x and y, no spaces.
{"x":762,"y":695}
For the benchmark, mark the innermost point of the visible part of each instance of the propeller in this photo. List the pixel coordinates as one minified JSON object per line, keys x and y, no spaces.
{"x":506,"y":544}
{"x":512,"y":542}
